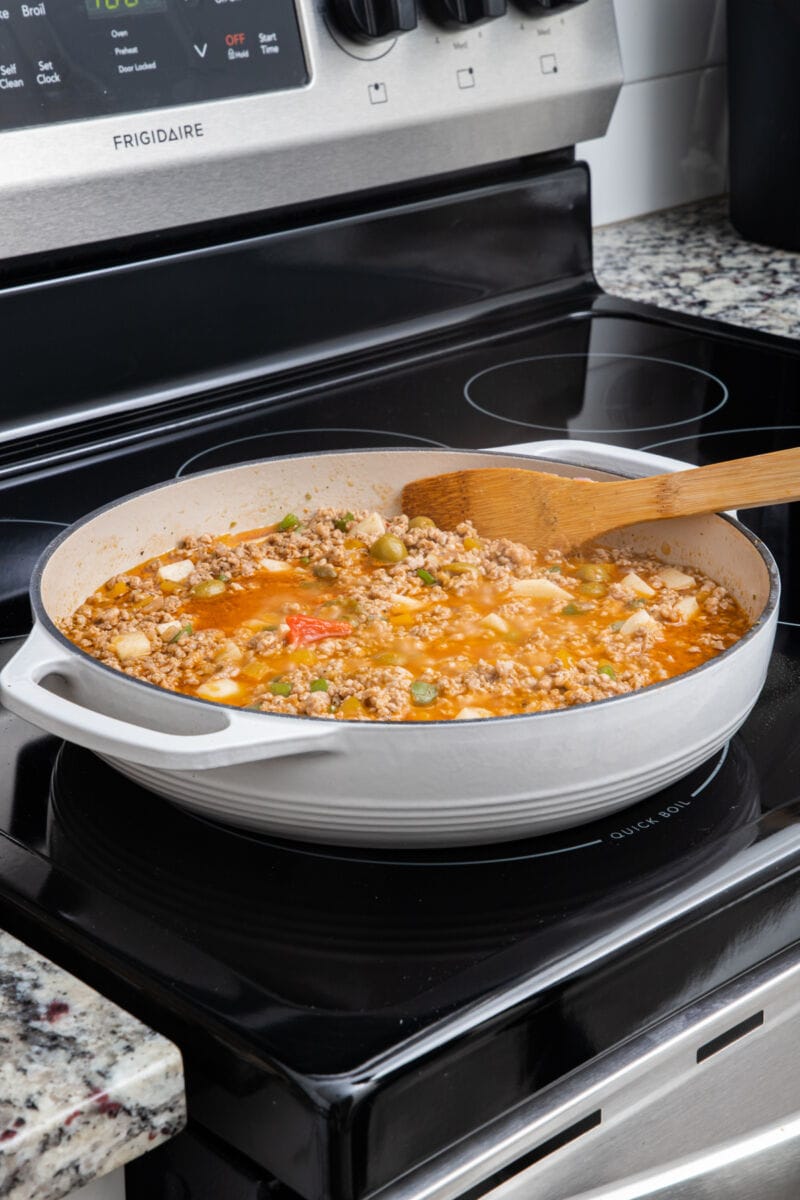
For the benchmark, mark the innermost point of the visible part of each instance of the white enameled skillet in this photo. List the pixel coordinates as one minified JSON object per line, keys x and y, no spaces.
{"x":379,"y":783}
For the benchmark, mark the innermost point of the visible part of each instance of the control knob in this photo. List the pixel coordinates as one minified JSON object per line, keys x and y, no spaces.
{"x":465,"y":12}
{"x":373,"y":20}
{"x":539,"y":7}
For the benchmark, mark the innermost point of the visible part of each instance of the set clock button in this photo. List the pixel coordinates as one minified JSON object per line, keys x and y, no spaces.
{"x":465,"y":12}
{"x":47,"y":75}
{"x":373,"y":20}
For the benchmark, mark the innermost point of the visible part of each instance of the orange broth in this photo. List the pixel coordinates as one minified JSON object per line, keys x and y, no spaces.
{"x":538,"y":635}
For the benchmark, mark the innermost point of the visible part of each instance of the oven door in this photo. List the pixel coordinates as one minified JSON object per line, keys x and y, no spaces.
{"x":704,"y":1106}
{"x":765,"y":1164}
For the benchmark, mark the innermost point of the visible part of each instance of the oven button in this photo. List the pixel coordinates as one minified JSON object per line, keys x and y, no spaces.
{"x":465,"y":12}
{"x":372,"y":20}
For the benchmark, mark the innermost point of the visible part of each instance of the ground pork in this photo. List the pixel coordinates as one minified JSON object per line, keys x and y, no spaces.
{"x":455,"y":623}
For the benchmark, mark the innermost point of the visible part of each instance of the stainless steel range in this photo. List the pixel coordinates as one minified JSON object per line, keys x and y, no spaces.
{"x":125,"y":118}
{"x":237,"y":230}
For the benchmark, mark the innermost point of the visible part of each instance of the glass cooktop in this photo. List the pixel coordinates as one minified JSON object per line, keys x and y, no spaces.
{"x":311,"y":973}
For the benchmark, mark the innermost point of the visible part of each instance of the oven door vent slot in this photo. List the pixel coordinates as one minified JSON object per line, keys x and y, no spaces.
{"x":730,"y":1035}
{"x":556,"y":1142}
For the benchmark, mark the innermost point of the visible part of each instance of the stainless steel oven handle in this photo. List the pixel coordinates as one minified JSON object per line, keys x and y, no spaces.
{"x":764,"y":1165}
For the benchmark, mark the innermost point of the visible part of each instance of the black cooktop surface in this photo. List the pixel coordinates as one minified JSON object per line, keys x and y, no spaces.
{"x":600,"y":376}
{"x":328,"y":963}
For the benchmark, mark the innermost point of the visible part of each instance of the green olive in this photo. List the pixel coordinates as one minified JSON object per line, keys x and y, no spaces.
{"x":421,"y":523}
{"x":388,"y":549}
{"x":423,"y":694}
{"x":209,"y":588}
{"x":594,"y":572}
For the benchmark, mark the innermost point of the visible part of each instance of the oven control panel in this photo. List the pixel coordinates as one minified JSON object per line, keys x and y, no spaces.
{"x":129,"y":117}
{"x":62,"y":60}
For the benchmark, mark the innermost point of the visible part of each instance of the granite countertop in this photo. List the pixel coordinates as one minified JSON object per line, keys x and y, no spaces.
{"x":84,"y":1086}
{"x":692,"y":260}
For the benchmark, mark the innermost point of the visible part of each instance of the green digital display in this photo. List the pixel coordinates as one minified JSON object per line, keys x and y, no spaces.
{"x":124,"y":8}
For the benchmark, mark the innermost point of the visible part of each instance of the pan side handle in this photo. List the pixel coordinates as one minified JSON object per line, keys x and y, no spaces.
{"x":238,"y":738}
{"x":599,"y":456}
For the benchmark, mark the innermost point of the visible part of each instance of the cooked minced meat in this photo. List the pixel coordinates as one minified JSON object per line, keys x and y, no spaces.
{"x":356,"y":616}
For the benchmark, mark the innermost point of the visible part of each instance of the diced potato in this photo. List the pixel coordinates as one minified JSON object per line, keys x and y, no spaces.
{"x":218,"y":689}
{"x":400,"y":619}
{"x":406,"y":603}
{"x":641,"y":620}
{"x":369,"y":528}
{"x":168,"y":629}
{"x":495,"y":622}
{"x":459,"y":568}
{"x":677,"y":580}
{"x":228,"y":654}
{"x":472,"y":714}
{"x":177,"y":571}
{"x":539,"y":589}
{"x":688,"y":607}
{"x":257,"y":669}
{"x":130,"y":645}
{"x":275,"y":566}
{"x":634,"y":583}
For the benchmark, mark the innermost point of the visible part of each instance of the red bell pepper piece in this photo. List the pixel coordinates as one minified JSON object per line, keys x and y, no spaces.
{"x":303,"y":630}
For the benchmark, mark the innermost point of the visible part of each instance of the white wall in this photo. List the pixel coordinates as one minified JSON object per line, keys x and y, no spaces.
{"x":667,"y":142}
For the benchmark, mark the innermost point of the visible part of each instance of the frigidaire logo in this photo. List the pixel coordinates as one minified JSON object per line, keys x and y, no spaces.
{"x":159,"y":135}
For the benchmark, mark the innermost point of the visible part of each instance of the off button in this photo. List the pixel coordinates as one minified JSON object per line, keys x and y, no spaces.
{"x":236,"y":46}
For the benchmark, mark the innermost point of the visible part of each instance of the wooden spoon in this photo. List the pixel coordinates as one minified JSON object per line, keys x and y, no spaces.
{"x":547,"y":511}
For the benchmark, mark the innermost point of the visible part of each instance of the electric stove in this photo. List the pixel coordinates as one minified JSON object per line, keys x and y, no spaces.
{"x":439,"y":1023}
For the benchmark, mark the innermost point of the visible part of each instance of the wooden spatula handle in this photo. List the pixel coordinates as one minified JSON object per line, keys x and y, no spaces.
{"x":742,"y":483}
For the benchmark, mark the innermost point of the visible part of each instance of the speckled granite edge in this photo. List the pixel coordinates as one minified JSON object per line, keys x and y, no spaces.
{"x":692,"y":260}
{"x":84,"y":1086}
